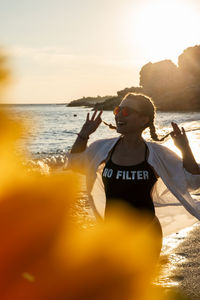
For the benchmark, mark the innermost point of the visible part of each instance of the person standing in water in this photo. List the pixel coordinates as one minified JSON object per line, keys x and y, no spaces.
{"x":132,"y":166}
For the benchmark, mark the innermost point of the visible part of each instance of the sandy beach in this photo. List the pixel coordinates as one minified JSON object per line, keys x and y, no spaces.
{"x":180,"y":262}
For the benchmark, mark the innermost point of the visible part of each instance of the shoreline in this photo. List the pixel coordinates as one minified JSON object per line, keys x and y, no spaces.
{"x":180,"y":268}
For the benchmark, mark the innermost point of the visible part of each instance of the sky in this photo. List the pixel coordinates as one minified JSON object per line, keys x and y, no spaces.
{"x":61,"y":50}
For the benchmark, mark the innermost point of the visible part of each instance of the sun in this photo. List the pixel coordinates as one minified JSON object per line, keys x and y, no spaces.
{"x":163,"y":29}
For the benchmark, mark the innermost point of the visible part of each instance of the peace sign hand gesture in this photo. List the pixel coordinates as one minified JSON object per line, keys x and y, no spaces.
{"x":179,"y":137}
{"x":92,"y":124}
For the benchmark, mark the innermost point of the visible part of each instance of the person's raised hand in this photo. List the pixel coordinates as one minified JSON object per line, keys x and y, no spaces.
{"x":91,"y":124}
{"x":179,"y":136}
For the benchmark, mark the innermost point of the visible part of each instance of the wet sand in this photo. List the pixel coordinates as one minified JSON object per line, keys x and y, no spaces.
{"x":180,"y":260}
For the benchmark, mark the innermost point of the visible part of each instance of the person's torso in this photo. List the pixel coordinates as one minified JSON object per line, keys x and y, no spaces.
{"x":130,"y":184}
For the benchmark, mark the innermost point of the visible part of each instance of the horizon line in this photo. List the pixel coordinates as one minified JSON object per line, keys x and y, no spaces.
{"x":34,"y":103}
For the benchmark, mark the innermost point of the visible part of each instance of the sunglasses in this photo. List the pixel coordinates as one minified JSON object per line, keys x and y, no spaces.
{"x":125,"y":110}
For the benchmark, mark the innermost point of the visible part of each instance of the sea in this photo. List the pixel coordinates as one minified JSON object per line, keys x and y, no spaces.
{"x":52,"y":130}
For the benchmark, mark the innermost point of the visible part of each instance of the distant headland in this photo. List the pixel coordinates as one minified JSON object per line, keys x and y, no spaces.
{"x":172,"y":87}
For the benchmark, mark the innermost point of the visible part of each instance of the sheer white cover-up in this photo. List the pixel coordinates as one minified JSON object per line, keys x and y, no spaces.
{"x":174,"y":205}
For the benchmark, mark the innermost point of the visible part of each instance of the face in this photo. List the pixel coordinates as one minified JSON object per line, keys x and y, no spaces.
{"x":129,"y":118}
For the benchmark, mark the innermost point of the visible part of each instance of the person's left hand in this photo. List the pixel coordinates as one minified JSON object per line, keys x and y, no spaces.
{"x":179,"y":136}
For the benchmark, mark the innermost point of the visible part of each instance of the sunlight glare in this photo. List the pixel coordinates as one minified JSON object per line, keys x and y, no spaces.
{"x":163,"y":29}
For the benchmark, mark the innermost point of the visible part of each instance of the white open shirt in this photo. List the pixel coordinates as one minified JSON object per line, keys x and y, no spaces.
{"x":174,"y":205}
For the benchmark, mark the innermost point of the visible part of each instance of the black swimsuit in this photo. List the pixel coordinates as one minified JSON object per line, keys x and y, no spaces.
{"x":132,"y":184}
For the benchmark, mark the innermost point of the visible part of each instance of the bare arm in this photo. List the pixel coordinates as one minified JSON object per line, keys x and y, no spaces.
{"x":88,"y":128}
{"x":181,"y":142}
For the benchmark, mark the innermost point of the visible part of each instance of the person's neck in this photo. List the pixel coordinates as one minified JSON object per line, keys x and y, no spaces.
{"x":133,"y":140}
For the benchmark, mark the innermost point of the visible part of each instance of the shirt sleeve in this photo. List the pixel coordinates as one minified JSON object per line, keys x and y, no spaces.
{"x":175,"y":170}
{"x":193,"y":180}
{"x":80,"y":161}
